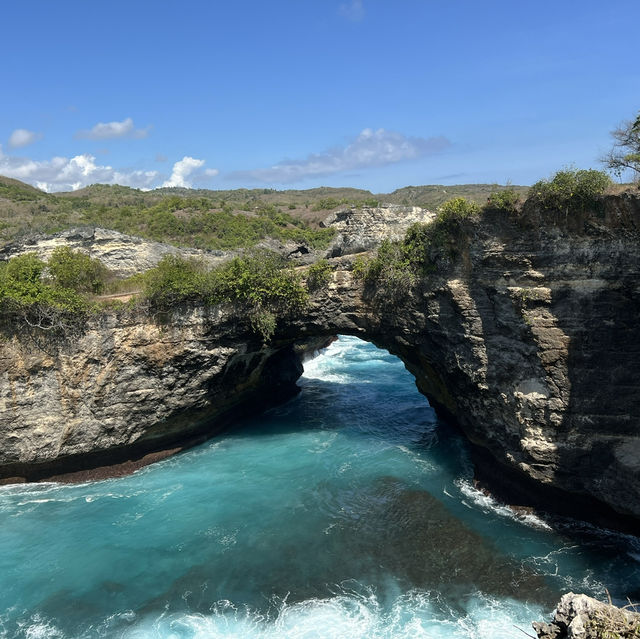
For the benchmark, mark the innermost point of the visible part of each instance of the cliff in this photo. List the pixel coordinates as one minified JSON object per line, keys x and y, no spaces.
{"x":122,"y":254}
{"x":528,"y":340}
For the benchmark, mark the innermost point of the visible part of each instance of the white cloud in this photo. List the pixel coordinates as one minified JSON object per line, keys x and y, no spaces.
{"x":23,"y":137}
{"x":70,"y":174}
{"x":369,"y":149}
{"x":353,"y":10}
{"x":184,"y":169}
{"x":113,"y":130}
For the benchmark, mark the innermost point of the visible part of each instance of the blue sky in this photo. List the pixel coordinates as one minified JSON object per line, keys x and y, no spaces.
{"x":301,"y":93}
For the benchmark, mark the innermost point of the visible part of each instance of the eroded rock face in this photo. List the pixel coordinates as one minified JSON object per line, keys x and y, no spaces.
{"x":529,"y":340}
{"x":130,"y":385}
{"x":123,"y":254}
{"x":364,"y":229}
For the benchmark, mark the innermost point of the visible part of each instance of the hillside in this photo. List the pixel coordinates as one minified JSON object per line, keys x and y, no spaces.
{"x":204,"y":218}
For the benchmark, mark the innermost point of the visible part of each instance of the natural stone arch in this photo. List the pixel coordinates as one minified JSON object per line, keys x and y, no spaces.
{"x":508,"y":343}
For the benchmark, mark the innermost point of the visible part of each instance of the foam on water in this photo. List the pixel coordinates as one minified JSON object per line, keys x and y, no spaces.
{"x":348,"y":615}
{"x":348,"y":512}
{"x":489,"y":504}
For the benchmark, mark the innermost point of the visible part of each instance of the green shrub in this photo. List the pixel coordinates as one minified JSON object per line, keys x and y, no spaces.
{"x":175,"y":280}
{"x":28,"y":300}
{"x":25,"y":270}
{"x":263,"y":322}
{"x":570,"y":190}
{"x":360,"y":267}
{"x":504,"y":200}
{"x":261,"y":278}
{"x":456,"y":209}
{"x":327,"y":203}
{"x":76,"y":271}
{"x":391,"y":270}
{"x":396,"y":267}
{"x":430,"y":243}
{"x":261,"y":283}
{"x":318,"y":275}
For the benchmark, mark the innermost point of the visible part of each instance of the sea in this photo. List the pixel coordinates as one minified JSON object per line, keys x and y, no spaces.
{"x":348,"y":512}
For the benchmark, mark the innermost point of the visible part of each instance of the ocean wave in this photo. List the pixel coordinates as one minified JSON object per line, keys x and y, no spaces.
{"x":488,"y":503}
{"x":354,"y":616}
{"x":352,"y":613}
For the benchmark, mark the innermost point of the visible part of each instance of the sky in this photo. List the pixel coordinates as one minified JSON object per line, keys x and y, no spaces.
{"x":374,"y":94}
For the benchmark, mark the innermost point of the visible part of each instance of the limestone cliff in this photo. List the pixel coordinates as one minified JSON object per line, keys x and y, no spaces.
{"x":122,"y":254}
{"x":364,"y":229}
{"x":528,"y":340}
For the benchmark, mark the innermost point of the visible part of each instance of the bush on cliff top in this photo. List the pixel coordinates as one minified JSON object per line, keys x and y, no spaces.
{"x":76,"y":271}
{"x":506,"y":200}
{"x":31,"y":295}
{"x":570,"y":190}
{"x":57,"y":294}
{"x":397,"y":266}
{"x":318,"y":275}
{"x":260,"y":282}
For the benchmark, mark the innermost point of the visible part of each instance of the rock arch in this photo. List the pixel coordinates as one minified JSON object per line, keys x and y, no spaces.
{"x":530,"y":343}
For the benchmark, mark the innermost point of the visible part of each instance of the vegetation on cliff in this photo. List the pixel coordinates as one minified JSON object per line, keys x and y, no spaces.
{"x":625,"y":153}
{"x":60,"y":294}
{"x":49,"y":296}
{"x":260,"y":283}
{"x":397,"y":266}
{"x":569,"y":190}
{"x":201,"y":218}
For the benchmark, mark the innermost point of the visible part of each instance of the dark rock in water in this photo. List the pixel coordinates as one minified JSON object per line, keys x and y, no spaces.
{"x":582,"y":617}
{"x":412,"y":535}
{"x":386,"y":532}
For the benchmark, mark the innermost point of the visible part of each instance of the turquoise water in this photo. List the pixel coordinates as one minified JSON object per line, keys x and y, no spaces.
{"x":347,"y":512}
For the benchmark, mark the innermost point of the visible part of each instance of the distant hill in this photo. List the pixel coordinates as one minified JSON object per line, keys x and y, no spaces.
{"x":433,"y":195}
{"x":204,"y":218}
{"x":17,"y":191}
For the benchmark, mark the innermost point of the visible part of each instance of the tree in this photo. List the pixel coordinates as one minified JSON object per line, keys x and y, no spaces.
{"x":625,"y":154}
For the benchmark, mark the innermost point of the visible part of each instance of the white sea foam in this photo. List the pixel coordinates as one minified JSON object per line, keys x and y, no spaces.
{"x":322,"y":366}
{"x":425,"y":465}
{"x":413,"y":615}
{"x":318,"y":369}
{"x":488,"y":503}
{"x":38,"y":628}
